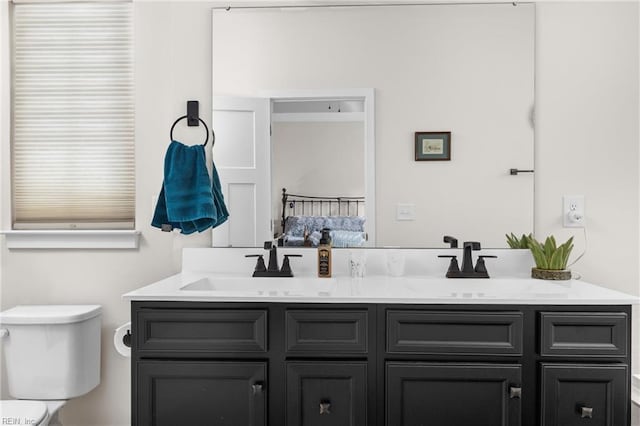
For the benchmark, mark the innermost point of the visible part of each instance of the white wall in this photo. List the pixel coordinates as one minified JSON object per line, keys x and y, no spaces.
{"x":587,"y":92}
{"x":587,"y":136}
{"x":4,"y":147}
{"x":316,"y":158}
{"x":173,"y":65}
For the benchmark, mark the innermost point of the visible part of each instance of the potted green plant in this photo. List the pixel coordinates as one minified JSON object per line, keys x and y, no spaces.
{"x":551,"y":259}
{"x":518,"y":243}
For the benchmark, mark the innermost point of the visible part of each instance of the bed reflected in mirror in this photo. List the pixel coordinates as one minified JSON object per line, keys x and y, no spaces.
{"x":305,"y":217}
{"x":317,"y":174}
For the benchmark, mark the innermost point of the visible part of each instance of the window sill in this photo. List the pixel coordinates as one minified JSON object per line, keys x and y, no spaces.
{"x":81,"y":239}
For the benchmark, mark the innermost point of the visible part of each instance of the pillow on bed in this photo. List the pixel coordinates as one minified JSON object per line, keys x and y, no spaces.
{"x":296,"y":225}
{"x":340,"y":238}
{"x":345,"y":223}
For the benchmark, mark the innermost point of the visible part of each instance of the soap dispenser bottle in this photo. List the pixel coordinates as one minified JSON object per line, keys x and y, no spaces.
{"x":324,"y":255}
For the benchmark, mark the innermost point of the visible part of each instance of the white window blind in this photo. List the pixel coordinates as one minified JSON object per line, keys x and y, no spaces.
{"x":73,"y":116}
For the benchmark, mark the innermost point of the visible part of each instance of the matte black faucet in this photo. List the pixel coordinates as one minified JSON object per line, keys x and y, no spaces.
{"x":468,"y":270}
{"x":453,"y":242}
{"x":467,"y":259}
{"x":273,"y":256}
{"x":272,"y":270}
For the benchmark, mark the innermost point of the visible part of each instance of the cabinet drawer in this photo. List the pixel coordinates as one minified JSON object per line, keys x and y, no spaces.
{"x":206,"y":330}
{"x":581,"y":394}
{"x":326,"y":393}
{"x":326,"y":330}
{"x":601,"y":334}
{"x":432,"y":332}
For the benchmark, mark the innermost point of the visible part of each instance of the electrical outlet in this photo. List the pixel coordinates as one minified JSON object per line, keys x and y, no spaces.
{"x":573,"y":215}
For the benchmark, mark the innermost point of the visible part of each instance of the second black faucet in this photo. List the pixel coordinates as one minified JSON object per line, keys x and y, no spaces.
{"x":468,"y":270}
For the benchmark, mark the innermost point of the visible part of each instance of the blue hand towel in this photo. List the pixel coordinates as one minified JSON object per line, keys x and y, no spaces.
{"x":188,"y":200}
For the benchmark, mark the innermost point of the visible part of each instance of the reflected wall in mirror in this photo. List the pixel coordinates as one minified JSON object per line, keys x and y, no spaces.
{"x":467,"y":69}
{"x":317,"y":152}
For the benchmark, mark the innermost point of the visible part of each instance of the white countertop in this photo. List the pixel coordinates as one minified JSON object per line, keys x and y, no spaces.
{"x":224,"y":275}
{"x":378,"y":289}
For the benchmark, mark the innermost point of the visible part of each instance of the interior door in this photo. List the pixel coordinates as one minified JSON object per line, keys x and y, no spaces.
{"x":242,"y":157}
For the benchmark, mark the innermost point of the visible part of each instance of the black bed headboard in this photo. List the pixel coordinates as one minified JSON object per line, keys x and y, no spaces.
{"x":307,"y":205}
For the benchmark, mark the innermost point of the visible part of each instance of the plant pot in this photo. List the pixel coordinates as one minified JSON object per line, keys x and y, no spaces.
{"x":551,"y":274}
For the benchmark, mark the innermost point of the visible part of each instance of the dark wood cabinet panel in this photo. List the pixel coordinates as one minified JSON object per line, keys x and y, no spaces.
{"x":327,"y":331}
{"x":438,"y":332}
{"x":327,"y":393}
{"x":584,"y":394}
{"x":216,"y":393}
{"x":456,"y":394}
{"x":207,"y":363}
{"x":207,"y":330}
{"x":583,"y":334}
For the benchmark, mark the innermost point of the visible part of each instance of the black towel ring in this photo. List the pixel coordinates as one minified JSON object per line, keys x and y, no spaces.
{"x":213,"y":141}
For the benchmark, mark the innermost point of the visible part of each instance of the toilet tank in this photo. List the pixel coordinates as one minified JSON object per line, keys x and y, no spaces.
{"x":51,"y":351}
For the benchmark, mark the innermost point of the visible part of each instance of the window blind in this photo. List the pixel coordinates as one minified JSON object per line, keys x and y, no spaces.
{"x":73,"y":116}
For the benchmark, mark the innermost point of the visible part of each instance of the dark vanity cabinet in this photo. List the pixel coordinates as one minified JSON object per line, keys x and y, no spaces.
{"x":585,"y":370}
{"x":186,"y":392}
{"x":326,"y":393}
{"x":443,"y":394}
{"x":206,"y":363}
{"x":573,"y":394}
{"x":187,"y":367}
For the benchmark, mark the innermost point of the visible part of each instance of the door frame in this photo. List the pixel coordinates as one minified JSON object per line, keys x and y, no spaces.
{"x":368,"y":96}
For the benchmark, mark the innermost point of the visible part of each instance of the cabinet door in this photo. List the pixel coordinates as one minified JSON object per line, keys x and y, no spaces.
{"x":326,"y":394}
{"x":171,"y":393}
{"x":452,"y":394}
{"x":581,"y":394}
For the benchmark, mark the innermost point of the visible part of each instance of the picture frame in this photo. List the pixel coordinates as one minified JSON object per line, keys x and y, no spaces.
{"x":433,"y":146}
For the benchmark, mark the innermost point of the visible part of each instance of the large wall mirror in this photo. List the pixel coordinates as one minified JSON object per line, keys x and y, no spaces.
{"x":291,"y":111}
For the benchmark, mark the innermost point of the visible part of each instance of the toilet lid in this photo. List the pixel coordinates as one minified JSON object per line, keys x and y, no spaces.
{"x":29,"y":412}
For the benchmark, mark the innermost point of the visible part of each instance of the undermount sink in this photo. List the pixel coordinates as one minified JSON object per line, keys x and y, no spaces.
{"x":262,"y":285}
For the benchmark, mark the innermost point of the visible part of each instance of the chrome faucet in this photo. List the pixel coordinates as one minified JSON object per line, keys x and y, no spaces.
{"x":468,"y":270}
{"x":273,"y":270}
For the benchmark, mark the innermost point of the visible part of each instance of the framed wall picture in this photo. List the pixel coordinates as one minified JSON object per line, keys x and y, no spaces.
{"x":433,"y":146}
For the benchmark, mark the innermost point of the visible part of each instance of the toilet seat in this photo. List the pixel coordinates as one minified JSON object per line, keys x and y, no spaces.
{"x":25,"y":412}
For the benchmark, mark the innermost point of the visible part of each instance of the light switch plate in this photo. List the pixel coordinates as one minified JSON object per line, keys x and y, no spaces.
{"x":406,"y":212}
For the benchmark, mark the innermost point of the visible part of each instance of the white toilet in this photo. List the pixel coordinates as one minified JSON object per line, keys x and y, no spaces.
{"x":52,"y":354}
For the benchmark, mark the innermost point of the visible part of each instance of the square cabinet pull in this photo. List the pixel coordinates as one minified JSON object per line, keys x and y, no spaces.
{"x":586,"y":412}
{"x":515,"y":392}
{"x":325,"y":407}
